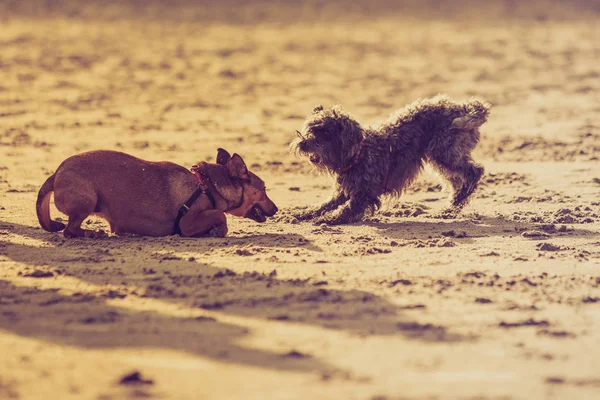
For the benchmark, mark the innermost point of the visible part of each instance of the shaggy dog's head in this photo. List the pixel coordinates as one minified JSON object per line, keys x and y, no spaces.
{"x":330,"y":139}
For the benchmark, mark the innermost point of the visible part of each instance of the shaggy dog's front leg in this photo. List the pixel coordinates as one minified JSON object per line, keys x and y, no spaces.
{"x":336,"y":199}
{"x":352,"y":211}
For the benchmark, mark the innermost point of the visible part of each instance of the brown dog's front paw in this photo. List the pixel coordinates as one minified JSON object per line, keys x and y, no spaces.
{"x":99,"y":234}
{"x":218,"y":231}
{"x":84,"y":233}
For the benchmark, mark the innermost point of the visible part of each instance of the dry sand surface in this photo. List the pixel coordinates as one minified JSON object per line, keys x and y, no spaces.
{"x":502,"y":302}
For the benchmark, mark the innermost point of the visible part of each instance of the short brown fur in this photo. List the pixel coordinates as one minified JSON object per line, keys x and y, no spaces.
{"x":143,"y":197}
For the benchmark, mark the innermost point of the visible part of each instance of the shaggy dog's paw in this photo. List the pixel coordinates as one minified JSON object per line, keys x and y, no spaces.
{"x":286,"y":219}
{"x":304,"y":215}
{"x":450,"y":213}
{"x":328,"y":220}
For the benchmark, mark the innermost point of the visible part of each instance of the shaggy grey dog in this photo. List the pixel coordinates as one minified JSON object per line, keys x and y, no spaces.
{"x":367,"y":163}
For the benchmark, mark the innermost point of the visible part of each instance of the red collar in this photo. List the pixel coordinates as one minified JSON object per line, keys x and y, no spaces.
{"x":200,"y":178}
{"x":202,"y":186}
{"x":196,"y":171}
{"x":354,"y":160}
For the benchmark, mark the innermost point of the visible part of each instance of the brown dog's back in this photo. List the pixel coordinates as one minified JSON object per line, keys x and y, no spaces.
{"x":119,"y":187}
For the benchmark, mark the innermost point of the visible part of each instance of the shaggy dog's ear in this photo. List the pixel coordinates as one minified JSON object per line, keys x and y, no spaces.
{"x":352,"y":133}
{"x":317,"y":109}
{"x":237,"y":167}
{"x":222,"y":156}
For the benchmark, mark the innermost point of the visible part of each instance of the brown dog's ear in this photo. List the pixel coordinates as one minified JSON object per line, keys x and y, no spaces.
{"x":222,"y":156}
{"x":237,"y":167}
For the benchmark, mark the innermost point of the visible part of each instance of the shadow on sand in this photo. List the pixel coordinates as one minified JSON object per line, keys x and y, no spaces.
{"x":123,"y":267}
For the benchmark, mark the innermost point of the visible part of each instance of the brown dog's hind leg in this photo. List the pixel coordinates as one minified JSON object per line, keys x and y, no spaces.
{"x":78,"y":203}
{"x":74,"y":229}
{"x":210,"y":223}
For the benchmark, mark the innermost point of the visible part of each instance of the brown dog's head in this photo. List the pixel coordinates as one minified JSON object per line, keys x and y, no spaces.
{"x":248,"y":190}
{"x":329,"y":139}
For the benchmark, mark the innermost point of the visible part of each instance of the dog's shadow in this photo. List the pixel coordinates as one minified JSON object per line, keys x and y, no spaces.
{"x":270,"y":240}
{"x":85,"y":320}
{"x":467,"y":229}
{"x":179,"y":243}
{"x":94,"y":318}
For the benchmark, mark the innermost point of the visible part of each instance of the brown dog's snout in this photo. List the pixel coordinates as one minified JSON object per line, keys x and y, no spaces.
{"x":257,"y":205}
{"x":260,"y":210}
{"x":269,"y":208}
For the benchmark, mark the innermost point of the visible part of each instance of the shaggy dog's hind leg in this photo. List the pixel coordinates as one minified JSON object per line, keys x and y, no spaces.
{"x":450,"y":154}
{"x":464,"y":176}
{"x":472,"y":173}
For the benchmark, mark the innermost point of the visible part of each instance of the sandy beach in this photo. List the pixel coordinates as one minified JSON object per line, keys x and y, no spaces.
{"x":502,"y":302}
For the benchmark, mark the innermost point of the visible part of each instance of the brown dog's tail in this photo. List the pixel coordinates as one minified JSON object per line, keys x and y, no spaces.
{"x":477,"y":114}
{"x":42,"y":207}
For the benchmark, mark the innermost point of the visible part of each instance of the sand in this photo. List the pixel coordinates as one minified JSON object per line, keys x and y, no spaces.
{"x":499,"y":303}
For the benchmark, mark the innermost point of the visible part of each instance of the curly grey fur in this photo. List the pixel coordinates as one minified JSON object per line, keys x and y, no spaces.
{"x":367,"y":163}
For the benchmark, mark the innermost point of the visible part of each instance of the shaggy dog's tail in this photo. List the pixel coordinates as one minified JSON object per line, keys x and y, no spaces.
{"x":476,"y":115}
{"x":42,"y":207}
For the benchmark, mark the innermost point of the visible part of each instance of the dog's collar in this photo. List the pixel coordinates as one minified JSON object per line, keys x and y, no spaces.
{"x":356,"y":158}
{"x":205,"y":181}
{"x":200,"y":190}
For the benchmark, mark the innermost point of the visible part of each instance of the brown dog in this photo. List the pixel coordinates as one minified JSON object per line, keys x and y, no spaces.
{"x":152,"y":198}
